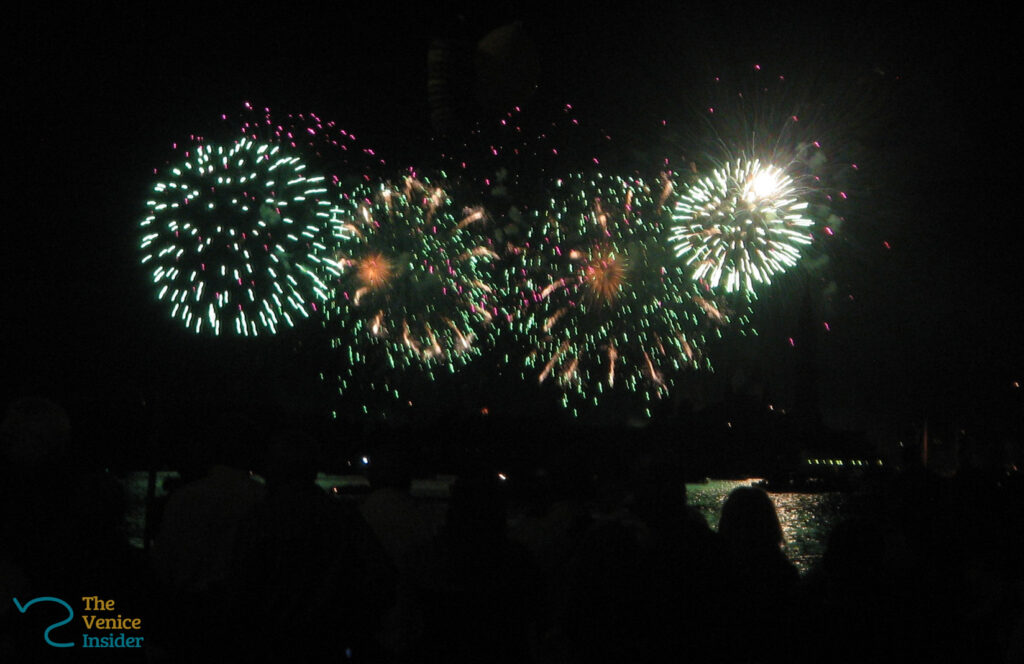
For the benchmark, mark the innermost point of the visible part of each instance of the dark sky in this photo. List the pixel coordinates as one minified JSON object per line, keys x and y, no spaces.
{"x":94,"y":98}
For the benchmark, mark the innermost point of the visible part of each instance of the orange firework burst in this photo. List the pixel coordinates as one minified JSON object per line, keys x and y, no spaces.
{"x":606,"y":306}
{"x":415,"y":286}
{"x":605,"y":275}
{"x":375,"y":271}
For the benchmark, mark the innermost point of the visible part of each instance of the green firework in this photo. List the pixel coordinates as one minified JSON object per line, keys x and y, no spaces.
{"x":605,"y":305}
{"x":233,"y":241}
{"x":411,"y":282}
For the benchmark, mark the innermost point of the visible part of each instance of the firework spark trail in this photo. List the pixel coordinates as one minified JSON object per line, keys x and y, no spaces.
{"x":321,"y":141}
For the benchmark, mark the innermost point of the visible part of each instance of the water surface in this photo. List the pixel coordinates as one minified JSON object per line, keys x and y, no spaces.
{"x":806,"y":518}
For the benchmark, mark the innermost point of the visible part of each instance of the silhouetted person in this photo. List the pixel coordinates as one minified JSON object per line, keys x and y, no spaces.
{"x":646,"y":582}
{"x":554,"y":518}
{"x":309,"y":576}
{"x":1015,"y":640}
{"x":60,"y":520}
{"x":401,"y":524}
{"x":398,"y":520}
{"x":861,"y":602}
{"x":477,"y":592}
{"x":763,"y":580}
{"x":191,"y":553}
{"x":604,"y":619}
{"x":554,"y":515}
{"x":685,"y":561}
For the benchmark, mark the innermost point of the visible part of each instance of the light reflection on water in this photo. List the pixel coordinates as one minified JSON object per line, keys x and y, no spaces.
{"x":806,"y":518}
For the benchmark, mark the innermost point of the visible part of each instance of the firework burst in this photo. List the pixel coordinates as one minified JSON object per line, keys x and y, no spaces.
{"x":740,"y":225}
{"x":605,"y":306}
{"x":411,"y":279}
{"x":233,"y":240}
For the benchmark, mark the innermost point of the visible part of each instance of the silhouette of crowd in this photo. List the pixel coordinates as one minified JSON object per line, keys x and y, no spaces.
{"x":560,"y":564}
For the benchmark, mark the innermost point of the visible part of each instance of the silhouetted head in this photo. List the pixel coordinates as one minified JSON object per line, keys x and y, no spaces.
{"x":659,"y":488}
{"x":865,"y":553}
{"x":476,"y":509}
{"x":291,"y":459}
{"x":223,"y":438}
{"x":390,"y":468}
{"x":34,"y":431}
{"x":749,"y":519}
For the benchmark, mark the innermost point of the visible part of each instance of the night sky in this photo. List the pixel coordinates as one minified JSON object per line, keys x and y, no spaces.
{"x":925,"y":101}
